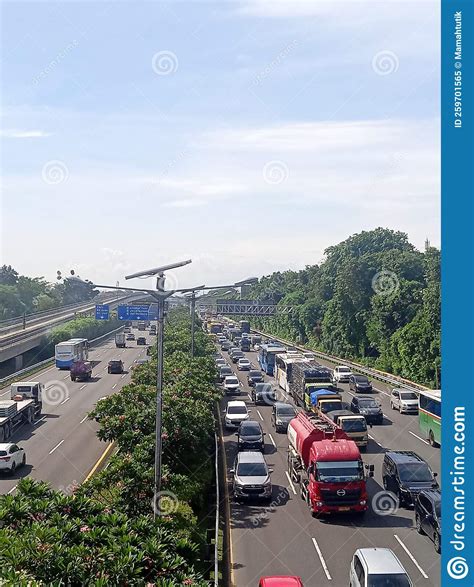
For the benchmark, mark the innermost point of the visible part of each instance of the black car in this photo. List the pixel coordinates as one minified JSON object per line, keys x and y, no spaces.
{"x":282,"y":414}
{"x":263,"y":393}
{"x":141,"y":340}
{"x":226,"y":345}
{"x":360,"y":384}
{"x":254,"y":377}
{"x":224,"y":372}
{"x":369,"y":408}
{"x":115,"y":367}
{"x":250,"y":436}
{"x":405,"y":474}
{"x":236,"y":356}
{"x":428,"y":515}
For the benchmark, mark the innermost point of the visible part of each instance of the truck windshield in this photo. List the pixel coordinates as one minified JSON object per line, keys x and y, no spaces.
{"x":354,"y":425}
{"x":330,"y":406}
{"x":339,"y":471}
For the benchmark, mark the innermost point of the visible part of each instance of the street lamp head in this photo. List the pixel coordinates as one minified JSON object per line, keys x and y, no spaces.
{"x":158,"y":270}
{"x":248,"y":281}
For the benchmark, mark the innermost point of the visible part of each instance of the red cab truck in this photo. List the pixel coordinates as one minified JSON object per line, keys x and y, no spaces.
{"x":327,"y":466}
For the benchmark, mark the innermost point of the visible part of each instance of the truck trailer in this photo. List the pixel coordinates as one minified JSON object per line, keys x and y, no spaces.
{"x":327,"y":466}
{"x":306,"y":377}
{"x":120,"y":340}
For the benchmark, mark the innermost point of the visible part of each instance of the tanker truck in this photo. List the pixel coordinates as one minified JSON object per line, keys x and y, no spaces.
{"x":327,"y":466}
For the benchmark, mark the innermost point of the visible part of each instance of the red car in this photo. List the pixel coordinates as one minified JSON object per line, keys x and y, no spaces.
{"x":280,"y":581}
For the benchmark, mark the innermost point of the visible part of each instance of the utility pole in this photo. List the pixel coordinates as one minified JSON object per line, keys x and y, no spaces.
{"x":193,"y":321}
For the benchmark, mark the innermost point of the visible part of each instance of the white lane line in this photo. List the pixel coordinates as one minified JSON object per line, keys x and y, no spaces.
{"x":249,"y":396}
{"x":290,"y":482}
{"x":83,"y":386}
{"x":57,"y":446}
{"x":114,"y":386}
{"x":321,"y":558}
{"x":419,"y":437}
{"x":123,"y":376}
{"x":381,"y":391}
{"x":271,"y":440}
{"x":64,"y":401}
{"x":40,"y":420}
{"x":260,"y":415}
{"x":66,"y":377}
{"x":12,"y":490}
{"x":83,"y":419}
{"x":415,"y":562}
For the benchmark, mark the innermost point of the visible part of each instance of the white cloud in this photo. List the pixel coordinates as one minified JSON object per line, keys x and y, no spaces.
{"x":23,"y":134}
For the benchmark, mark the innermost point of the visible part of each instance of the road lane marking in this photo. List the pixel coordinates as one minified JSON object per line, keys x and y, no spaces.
{"x":123,"y":376}
{"x":66,"y":377}
{"x":114,"y":386}
{"x":83,"y":386}
{"x":40,"y":420}
{"x":260,"y":415}
{"x":98,"y":463}
{"x":271,"y":439}
{"x":415,"y":562}
{"x":419,"y":437}
{"x":290,"y":482}
{"x":57,"y":446}
{"x":381,"y":391}
{"x":12,"y":490}
{"x":64,"y":401}
{"x":321,"y":558}
{"x":84,"y":419}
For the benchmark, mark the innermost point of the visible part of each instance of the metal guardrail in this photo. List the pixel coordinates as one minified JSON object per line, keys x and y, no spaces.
{"x":92,"y":342}
{"x":216,"y":532}
{"x":373,"y":373}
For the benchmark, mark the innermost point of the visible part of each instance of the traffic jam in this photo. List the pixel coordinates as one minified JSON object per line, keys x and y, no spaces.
{"x":332,"y":477}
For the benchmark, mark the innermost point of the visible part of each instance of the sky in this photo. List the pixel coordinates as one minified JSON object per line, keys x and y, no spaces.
{"x":247,"y":136}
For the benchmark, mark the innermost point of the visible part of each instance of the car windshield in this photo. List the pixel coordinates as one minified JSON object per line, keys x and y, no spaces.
{"x":392,"y":580}
{"x":250,"y":428}
{"x":3,"y":453}
{"x":408,"y":395}
{"x":285,"y":411}
{"x":236,"y":410}
{"x":368,"y":403}
{"x":226,"y":370}
{"x":339,"y":471}
{"x":361,"y":379}
{"x":264,"y":387}
{"x":354,"y":425}
{"x":415,"y":472}
{"x":231,"y":380}
{"x":255,"y":374}
{"x":244,"y":361}
{"x":115,"y":363}
{"x":252,"y":470}
{"x":344,"y":370}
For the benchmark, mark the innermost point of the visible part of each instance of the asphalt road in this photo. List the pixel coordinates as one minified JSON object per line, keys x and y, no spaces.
{"x":62,"y":446}
{"x":283,"y":538}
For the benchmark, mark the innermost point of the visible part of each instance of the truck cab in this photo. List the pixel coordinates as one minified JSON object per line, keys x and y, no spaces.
{"x":354,"y":425}
{"x":325,"y":400}
{"x":24,"y":390}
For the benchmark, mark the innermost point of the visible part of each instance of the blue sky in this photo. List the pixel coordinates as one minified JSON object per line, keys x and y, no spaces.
{"x":248,"y":136}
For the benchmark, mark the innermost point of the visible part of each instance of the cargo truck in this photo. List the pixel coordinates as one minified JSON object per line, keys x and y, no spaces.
{"x":120,"y":340}
{"x":325,"y":400}
{"x":245,"y":344}
{"x":245,"y":326}
{"x":327,"y":466}
{"x":354,"y":425}
{"x":305,"y":378}
{"x":24,"y":407}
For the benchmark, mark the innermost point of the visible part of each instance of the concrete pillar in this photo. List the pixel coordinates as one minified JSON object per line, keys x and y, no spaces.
{"x":18,"y":362}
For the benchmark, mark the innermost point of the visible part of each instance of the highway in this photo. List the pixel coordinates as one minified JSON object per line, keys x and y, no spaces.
{"x":283,"y":537}
{"x":62,"y":446}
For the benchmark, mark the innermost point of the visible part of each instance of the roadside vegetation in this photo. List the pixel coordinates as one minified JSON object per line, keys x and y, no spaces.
{"x":103,"y":532}
{"x":20,"y":294}
{"x":374,"y":299}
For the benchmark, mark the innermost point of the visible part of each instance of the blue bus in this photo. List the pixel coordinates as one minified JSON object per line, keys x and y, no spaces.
{"x":266,"y":356}
{"x":69,"y":351}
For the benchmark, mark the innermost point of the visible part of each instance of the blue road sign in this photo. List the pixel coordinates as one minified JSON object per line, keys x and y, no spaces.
{"x":133,"y":312}
{"x":102,"y":312}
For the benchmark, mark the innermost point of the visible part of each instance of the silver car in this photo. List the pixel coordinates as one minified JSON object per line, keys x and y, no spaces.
{"x":405,"y":401}
{"x":251,"y":476}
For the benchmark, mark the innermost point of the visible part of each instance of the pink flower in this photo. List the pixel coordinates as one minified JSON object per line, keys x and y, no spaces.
{"x":85,"y":528}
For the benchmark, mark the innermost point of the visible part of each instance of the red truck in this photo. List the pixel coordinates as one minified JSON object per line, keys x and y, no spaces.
{"x":81,"y":371}
{"x":327,"y":466}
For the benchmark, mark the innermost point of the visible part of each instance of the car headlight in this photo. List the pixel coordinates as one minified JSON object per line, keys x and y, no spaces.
{"x":279,"y":422}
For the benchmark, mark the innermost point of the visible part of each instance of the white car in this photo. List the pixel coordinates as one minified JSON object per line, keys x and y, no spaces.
{"x":235,"y":413}
{"x":11,"y":457}
{"x":341,"y":374}
{"x":232,"y":385}
{"x":244,"y":365}
{"x":406,"y":402}
{"x":221,"y":362}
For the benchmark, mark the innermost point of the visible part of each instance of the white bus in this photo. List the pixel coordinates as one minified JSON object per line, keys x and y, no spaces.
{"x":69,"y":351}
{"x":283,"y":363}
{"x":429,"y":415}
